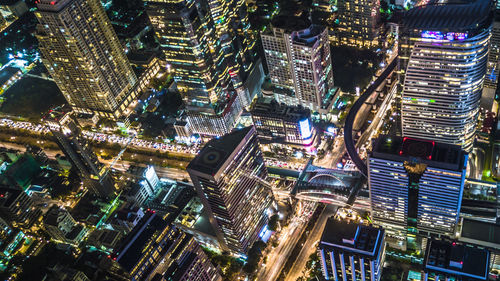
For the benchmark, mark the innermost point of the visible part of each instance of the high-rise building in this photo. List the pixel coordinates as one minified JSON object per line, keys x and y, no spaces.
{"x":444,"y":66}
{"x":16,"y":207}
{"x":446,"y":260}
{"x":228,"y":175}
{"x":358,"y":23}
{"x":82,"y":53}
{"x":211,"y":51}
{"x":93,"y":174}
{"x":155,"y":250}
{"x":277,"y":122}
{"x":299,"y":63}
{"x":351,"y":251}
{"x":416,"y":187}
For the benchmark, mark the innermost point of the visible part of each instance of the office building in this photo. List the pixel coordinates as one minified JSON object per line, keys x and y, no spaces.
{"x":58,"y":223}
{"x":93,"y":174}
{"x":416,"y":187}
{"x":82,"y":53}
{"x":444,"y":66}
{"x":447,"y":260}
{"x":156,"y":249}
{"x":351,"y":251}
{"x":358,"y":23}
{"x":16,"y":207}
{"x":207,"y":44}
{"x":299,"y":63}
{"x":229,"y":177}
{"x":277,"y":122}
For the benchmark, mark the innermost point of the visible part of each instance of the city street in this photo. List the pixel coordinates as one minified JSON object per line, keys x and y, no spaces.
{"x":310,"y":244}
{"x":288,"y":238}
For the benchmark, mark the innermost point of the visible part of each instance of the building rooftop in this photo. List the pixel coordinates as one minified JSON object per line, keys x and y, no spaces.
{"x":8,"y":196}
{"x":452,"y":258}
{"x":438,"y":155}
{"x":217,"y":151}
{"x":450,"y":16}
{"x":290,"y":23}
{"x":52,"y":215}
{"x":352,"y":237}
{"x":267,"y":106}
{"x":7,"y":72}
{"x":308,"y":36}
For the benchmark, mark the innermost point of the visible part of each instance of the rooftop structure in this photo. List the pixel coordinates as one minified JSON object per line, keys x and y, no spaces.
{"x":449,"y":16}
{"x":434,"y":154}
{"x":446,"y":259}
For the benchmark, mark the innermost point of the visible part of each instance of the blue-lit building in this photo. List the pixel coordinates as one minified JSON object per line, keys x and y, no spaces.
{"x":415,"y":187}
{"x":447,"y":260}
{"x":350,"y":251}
{"x":443,"y":57}
{"x":278,"y":122}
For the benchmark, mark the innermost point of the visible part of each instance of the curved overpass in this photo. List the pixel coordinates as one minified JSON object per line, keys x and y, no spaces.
{"x":349,"y":122}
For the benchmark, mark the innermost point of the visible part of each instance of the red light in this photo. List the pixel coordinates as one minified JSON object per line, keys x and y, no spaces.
{"x":114,"y":258}
{"x":454,"y":243}
{"x":109,"y":256}
{"x":461,"y":262}
{"x":53,"y":3}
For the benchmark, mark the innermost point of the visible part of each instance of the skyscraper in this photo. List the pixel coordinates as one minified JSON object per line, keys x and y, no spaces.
{"x":228,"y":175}
{"x":82,"y":53}
{"x":445,"y":67}
{"x":358,"y":23}
{"x":416,"y":186}
{"x":351,"y":251}
{"x":299,"y":62}
{"x":211,"y":52}
{"x":78,"y":151}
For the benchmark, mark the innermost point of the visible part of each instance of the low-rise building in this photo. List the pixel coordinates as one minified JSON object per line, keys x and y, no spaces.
{"x":278,"y":122}
{"x":351,"y":251}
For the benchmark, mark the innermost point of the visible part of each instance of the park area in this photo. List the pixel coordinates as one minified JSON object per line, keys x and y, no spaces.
{"x":30,"y":98}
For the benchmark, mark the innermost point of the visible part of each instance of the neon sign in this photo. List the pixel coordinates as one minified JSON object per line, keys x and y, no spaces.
{"x":450,"y":36}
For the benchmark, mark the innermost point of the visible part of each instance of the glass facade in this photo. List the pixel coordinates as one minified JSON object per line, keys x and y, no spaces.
{"x":443,"y":86}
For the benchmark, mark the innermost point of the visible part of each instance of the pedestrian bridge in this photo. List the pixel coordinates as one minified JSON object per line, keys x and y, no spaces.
{"x":331,"y":186}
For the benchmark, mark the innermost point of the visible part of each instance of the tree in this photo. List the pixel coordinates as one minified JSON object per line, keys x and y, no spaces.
{"x":273,"y":222}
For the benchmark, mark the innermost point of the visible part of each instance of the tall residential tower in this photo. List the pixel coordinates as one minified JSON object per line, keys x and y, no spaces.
{"x":84,"y":56}
{"x":299,"y":63}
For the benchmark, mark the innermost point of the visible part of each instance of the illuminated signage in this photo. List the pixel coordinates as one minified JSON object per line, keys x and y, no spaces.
{"x":305,"y":129}
{"x":450,"y":36}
